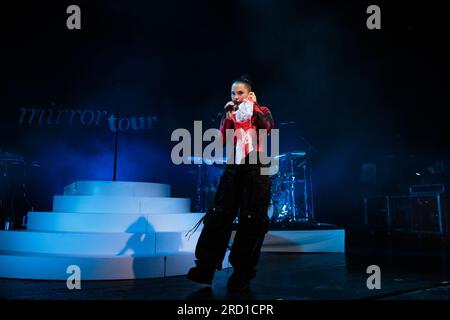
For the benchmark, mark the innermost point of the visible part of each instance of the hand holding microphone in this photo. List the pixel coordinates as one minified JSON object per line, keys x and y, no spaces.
{"x":230,"y":107}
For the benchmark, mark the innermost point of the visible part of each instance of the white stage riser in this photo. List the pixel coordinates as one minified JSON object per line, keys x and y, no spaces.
{"x":47,"y":267}
{"x":305,"y":241}
{"x":124,"y":230}
{"x":37,"y":265}
{"x":120,"y":204}
{"x":150,"y":243}
{"x":112,"y":222}
{"x":117,"y":188}
{"x":97,"y":244}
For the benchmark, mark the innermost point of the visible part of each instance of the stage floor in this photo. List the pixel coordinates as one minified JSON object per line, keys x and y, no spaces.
{"x":285,"y":276}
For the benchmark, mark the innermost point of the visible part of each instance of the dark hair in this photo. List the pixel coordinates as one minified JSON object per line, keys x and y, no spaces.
{"x":246,"y":80}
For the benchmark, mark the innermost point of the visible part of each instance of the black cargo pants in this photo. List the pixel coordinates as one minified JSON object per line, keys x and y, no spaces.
{"x":242,"y":188}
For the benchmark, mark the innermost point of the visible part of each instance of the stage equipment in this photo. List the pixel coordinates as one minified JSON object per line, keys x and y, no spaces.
{"x":422,"y":211}
{"x":292,"y":193}
{"x":14,"y":171}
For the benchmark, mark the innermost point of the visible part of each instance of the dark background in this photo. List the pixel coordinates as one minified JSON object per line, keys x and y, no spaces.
{"x":355,"y":95}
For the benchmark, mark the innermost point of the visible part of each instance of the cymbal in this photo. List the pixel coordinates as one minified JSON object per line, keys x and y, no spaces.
{"x":209,"y":161}
{"x":291,"y":154}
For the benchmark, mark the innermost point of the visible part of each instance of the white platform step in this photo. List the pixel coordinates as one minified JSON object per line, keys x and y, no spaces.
{"x":120,"y":204}
{"x":152,"y":243}
{"x":332,"y":240}
{"x":111,"y":230}
{"x":113,"y":222}
{"x":20,"y":265}
{"x":117,"y":188}
{"x":97,"y":244}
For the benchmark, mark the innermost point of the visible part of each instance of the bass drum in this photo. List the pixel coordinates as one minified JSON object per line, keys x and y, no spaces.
{"x":278,"y":199}
{"x":275,"y":211}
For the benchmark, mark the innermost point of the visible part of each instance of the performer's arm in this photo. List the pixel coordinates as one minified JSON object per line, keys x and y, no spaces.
{"x":263,"y":117}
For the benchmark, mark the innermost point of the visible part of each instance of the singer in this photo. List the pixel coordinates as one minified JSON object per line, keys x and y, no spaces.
{"x":242,"y":188}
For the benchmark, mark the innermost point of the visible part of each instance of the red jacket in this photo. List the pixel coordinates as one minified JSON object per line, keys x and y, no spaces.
{"x":261,"y":119}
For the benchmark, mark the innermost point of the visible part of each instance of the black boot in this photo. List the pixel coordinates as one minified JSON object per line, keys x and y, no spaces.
{"x":238,"y":283}
{"x":201,"y":274}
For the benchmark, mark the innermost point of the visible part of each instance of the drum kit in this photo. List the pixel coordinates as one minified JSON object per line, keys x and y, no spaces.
{"x":291,"y":190}
{"x":291,"y":187}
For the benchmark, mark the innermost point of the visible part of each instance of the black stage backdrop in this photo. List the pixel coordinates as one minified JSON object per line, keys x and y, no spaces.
{"x":351,"y":96}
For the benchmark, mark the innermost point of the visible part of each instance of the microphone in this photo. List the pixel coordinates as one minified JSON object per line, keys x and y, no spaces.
{"x":232,"y":108}
{"x":221,"y":114}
